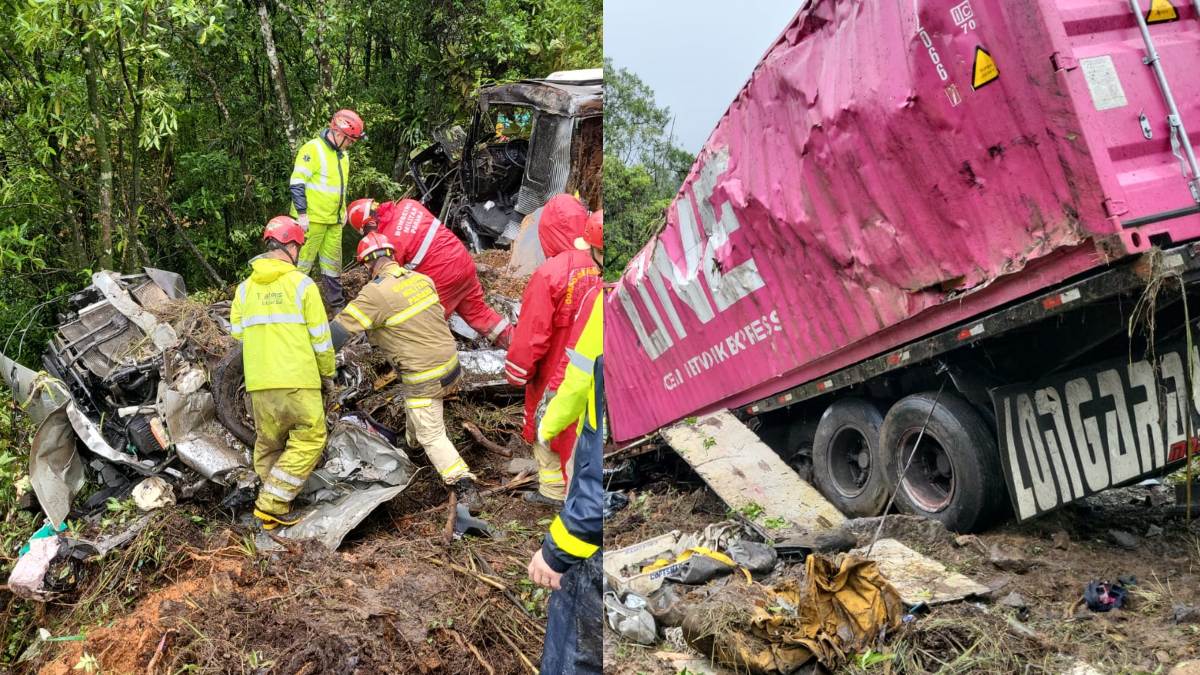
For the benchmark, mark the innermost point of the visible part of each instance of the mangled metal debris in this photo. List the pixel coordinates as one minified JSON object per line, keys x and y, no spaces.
{"x":361,"y":471}
{"x":140,"y":402}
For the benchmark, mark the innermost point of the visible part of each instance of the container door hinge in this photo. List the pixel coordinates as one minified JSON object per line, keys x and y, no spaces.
{"x":1181,"y":144}
{"x":1061,"y":61}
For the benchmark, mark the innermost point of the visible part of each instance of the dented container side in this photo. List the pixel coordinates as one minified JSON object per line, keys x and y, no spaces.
{"x":890,"y":168}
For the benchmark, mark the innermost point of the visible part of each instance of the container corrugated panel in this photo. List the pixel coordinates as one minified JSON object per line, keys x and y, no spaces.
{"x":891,"y":168}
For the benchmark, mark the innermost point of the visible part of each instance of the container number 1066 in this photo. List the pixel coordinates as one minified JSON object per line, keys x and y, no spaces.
{"x":933,"y":54}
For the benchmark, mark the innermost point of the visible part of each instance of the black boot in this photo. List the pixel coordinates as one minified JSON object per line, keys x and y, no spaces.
{"x":468,"y":494}
{"x":535,"y":497}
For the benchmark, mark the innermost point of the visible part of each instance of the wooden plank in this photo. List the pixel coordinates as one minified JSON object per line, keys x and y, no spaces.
{"x":918,"y":578}
{"x":750,"y":477}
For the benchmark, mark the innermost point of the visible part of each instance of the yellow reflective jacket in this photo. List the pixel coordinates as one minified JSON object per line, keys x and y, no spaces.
{"x":278,"y":316}
{"x":575,"y":398}
{"x":322,"y":172}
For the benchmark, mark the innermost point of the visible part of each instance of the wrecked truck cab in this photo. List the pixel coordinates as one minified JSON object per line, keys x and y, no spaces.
{"x":527,"y":141}
{"x":108,"y":352}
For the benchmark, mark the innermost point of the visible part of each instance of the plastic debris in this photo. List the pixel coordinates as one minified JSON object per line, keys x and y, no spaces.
{"x":630,"y":622}
{"x":153,"y":493}
{"x":1100,"y":596}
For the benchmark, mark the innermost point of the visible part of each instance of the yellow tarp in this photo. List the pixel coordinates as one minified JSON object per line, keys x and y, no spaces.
{"x":840,"y":609}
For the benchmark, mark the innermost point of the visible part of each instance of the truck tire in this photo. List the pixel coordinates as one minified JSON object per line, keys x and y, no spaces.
{"x":229,"y":394}
{"x":848,"y":467}
{"x":955,"y":476}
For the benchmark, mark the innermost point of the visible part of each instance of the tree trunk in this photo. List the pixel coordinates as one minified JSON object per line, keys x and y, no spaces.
{"x":367,"y":63}
{"x":133,"y":200}
{"x":105,"y":215}
{"x":79,"y":254}
{"x":319,"y":51}
{"x":187,"y":241}
{"x":277,"y":77}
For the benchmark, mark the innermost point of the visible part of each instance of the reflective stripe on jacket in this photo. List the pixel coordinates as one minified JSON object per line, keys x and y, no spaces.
{"x":577,"y":533}
{"x":401,"y":314}
{"x":322,"y":171}
{"x":278,"y":316}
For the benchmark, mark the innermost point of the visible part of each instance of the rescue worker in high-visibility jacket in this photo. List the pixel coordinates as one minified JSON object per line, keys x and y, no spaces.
{"x":287,"y":353}
{"x":535,"y":360}
{"x":569,"y":560}
{"x":400,"y":313}
{"x":425,"y":245}
{"x":318,"y":188}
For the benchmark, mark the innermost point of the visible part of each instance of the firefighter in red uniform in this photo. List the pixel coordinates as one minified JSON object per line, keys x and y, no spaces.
{"x":537,"y":357}
{"x":424,"y":245}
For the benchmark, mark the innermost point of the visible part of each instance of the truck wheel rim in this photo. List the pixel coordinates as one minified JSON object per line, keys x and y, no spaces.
{"x":929,"y":482}
{"x":849,"y":462}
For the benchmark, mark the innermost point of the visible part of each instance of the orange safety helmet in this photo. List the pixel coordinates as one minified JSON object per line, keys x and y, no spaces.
{"x":348,"y":122}
{"x":593,"y":230}
{"x":373,"y":245}
{"x":361,"y":213}
{"x":285,"y":230}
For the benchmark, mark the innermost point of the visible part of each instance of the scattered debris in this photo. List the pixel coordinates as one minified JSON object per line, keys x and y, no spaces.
{"x":629,"y":620}
{"x":1060,"y":539}
{"x":613,"y":502}
{"x":1100,"y":596}
{"x":153,"y":493}
{"x":840,"y":609}
{"x":1007,"y":560}
{"x":752,"y":478}
{"x":918,"y":578}
{"x":466,"y":524}
{"x":1014,"y":600}
{"x":1185,"y":614}
{"x":1123,"y":539}
{"x":28,"y":576}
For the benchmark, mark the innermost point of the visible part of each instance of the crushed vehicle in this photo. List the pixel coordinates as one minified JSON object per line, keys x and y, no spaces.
{"x":527,"y":141}
{"x":141,"y":383}
{"x":948,"y":250}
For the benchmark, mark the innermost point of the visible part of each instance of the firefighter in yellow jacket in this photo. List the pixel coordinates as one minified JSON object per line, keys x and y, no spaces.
{"x":401,"y":314}
{"x":287,"y":352}
{"x":318,"y":189}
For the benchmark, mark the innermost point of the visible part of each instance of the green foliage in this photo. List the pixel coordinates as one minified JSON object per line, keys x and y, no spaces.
{"x":185,"y":94}
{"x":643,"y":168}
{"x":15,"y":524}
{"x":751,"y":510}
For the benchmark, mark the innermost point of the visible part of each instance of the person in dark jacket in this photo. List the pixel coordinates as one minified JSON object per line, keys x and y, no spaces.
{"x":570,"y":559}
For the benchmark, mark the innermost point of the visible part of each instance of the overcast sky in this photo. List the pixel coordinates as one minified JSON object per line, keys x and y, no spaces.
{"x":694,"y":54}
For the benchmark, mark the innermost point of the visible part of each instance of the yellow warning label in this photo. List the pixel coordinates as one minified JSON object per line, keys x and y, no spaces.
{"x":985,"y":69}
{"x":1161,"y":11}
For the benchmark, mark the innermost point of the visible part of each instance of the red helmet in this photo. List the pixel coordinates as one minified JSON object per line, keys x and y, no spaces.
{"x":374,"y":243}
{"x":593,"y":230}
{"x":348,"y":122}
{"x":361,"y":213}
{"x":285,"y":230}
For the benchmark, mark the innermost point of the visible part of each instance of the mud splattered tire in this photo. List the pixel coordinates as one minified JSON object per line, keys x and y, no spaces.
{"x":955,"y":475}
{"x":229,"y":394}
{"x":848,"y":466}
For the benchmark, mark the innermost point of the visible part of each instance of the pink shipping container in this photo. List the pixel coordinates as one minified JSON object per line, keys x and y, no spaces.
{"x":896,"y":167}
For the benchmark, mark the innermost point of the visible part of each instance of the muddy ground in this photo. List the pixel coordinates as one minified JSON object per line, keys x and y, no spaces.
{"x":192,"y":594}
{"x":1046,"y":561}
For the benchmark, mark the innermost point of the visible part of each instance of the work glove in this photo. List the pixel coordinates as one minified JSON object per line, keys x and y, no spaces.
{"x":303,"y":220}
{"x":327,"y":387}
{"x":539,"y":439}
